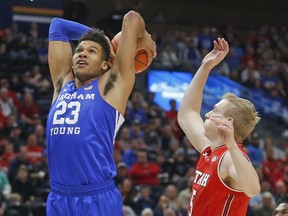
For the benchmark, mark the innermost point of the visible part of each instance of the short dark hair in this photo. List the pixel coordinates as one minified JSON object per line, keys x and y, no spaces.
{"x":99,"y":37}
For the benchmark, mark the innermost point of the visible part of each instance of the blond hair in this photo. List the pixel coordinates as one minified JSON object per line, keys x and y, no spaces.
{"x":244,"y":114}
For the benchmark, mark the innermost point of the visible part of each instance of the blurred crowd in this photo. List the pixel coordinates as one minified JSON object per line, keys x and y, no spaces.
{"x":155,"y":160}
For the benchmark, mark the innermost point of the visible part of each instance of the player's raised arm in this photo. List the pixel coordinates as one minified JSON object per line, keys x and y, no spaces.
{"x":189,"y":111}
{"x":61,"y":32}
{"x":132,"y":34}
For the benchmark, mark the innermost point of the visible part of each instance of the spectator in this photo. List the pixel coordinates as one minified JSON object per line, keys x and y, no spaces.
{"x":184,"y":197}
{"x":34,"y":151}
{"x":281,"y":209}
{"x":271,"y":168}
{"x":29,"y":111}
{"x":144,"y":199}
{"x":152,"y":135}
{"x":255,"y":152}
{"x":281,"y":194}
{"x":121,"y":174}
{"x":40,"y":135}
{"x":163,"y":204}
{"x":256,"y":202}
{"x":23,"y":186}
{"x":144,"y":172}
{"x":135,"y":130}
{"x":147,"y":212}
{"x":169,"y":59}
{"x":7,"y":107}
{"x":171,"y":118}
{"x":267,"y":206}
{"x":21,"y":159}
{"x":5,"y":186}
{"x":179,"y":167}
{"x":15,"y":136}
{"x":130,"y":154}
{"x":128,"y":192}
{"x":7,"y":156}
{"x":172,"y":193}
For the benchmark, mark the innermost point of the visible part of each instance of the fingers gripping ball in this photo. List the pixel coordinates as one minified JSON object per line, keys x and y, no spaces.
{"x":141,"y":56}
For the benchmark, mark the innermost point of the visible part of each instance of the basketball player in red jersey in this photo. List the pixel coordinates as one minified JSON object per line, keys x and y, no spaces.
{"x":225,"y":178}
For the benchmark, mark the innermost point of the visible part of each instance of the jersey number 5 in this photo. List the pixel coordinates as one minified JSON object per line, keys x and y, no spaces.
{"x":72,"y":107}
{"x":191,"y":202}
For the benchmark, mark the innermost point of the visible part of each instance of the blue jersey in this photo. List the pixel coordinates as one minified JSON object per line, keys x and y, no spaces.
{"x":80,"y":133}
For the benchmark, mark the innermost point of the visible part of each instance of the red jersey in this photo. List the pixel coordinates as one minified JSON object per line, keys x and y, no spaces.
{"x":210,"y":195}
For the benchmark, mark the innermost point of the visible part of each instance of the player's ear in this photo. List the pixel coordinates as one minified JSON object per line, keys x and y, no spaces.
{"x":230,"y":119}
{"x":105,"y":65}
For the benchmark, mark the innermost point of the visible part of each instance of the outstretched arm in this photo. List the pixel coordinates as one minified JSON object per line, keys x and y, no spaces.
{"x":61,"y":32}
{"x":133,"y":33}
{"x":189,"y":111}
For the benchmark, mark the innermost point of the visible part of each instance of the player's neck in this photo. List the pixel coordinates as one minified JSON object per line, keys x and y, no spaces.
{"x":216,"y":143}
{"x":80,"y":84}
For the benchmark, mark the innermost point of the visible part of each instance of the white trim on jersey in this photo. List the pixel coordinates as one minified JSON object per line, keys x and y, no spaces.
{"x":118,"y":122}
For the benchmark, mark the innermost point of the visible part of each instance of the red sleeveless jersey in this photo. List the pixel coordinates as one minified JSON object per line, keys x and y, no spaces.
{"x":210,"y":195}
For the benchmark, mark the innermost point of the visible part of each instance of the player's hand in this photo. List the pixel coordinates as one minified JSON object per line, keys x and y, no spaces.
{"x":221,"y":48}
{"x":225,"y":129}
{"x":147,"y":43}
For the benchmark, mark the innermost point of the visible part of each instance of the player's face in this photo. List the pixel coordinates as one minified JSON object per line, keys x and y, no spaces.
{"x":218,"y":111}
{"x":87,"y":60}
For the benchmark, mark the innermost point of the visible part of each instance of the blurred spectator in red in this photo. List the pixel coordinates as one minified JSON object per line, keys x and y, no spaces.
{"x":29,"y":111}
{"x":250,"y":76}
{"x":34,"y":151}
{"x":3,"y":122}
{"x":271,"y":167}
{"x":7,"y":156}
{"x":171,"y":117}
{"x":249,"y":56}
{"x":11,"y":93}
{"x":143,"y":171}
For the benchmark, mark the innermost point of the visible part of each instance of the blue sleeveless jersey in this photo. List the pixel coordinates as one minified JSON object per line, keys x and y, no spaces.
{"x":80,"y":133}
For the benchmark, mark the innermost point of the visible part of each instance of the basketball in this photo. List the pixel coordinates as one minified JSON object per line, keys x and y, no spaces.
{"x":141,"y":56}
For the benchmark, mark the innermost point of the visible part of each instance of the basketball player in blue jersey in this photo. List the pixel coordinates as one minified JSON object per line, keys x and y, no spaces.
{"x":89,"y":101}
